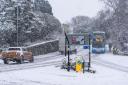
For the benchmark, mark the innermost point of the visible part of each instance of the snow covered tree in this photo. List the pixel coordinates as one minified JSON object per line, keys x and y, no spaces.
{"x":81,"y":24}
{"x":118,"y":21}
{"x":43,"y":6}
{"x":19,"y":19}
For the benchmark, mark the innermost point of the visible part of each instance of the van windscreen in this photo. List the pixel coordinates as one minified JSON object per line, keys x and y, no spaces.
{"x":14,"y":49}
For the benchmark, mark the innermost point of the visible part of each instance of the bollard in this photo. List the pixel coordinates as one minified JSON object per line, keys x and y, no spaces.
{"x":78,"y":66}
{"x":83,"y":66}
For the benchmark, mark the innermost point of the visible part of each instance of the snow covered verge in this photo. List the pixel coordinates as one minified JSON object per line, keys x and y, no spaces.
{"x":53,"y":75}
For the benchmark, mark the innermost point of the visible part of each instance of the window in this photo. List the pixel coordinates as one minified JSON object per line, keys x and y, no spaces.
{"x":14,"y":49}
{"x":24,"y":49}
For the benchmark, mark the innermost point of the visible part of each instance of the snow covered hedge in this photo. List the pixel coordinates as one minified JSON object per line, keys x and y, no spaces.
{"x":44,"y":47}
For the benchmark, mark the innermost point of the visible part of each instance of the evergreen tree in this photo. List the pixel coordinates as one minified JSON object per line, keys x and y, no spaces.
{"x":19,"y":22}
{"x":42,"y":6}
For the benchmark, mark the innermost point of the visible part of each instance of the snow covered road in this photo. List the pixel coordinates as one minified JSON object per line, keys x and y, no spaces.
{"x":39,"y":61}
{"x":110,"y":70}
{"x":112,"y":61}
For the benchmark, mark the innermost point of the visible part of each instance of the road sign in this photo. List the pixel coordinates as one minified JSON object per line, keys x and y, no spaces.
{"x":76,"y":39}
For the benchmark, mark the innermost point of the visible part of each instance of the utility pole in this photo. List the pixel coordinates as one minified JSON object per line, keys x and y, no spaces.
{"x":17,"y":23}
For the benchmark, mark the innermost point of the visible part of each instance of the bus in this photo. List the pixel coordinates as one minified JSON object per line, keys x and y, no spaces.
{"x":98,"y":42}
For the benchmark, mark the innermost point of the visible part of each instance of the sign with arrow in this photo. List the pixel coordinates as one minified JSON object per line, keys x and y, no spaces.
{"x":77,"y":39}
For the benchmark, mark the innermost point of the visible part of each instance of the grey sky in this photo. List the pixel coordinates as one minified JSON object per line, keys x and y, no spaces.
{"x":64,"y":10}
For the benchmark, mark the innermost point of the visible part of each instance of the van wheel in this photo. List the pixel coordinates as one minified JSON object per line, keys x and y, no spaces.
{"x":5,"y":61}
{"x":21,"y":60}
{"x":32,"y":60}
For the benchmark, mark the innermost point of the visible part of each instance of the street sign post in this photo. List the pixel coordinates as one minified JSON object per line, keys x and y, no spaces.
{"x":79,"y":39}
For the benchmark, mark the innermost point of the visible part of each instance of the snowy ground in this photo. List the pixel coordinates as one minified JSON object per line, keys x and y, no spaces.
{"x":117,"y":59}
{"x":52,"y":75}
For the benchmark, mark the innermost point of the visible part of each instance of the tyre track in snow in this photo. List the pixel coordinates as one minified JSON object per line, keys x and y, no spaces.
{"x":110,"y":65}
{"x":29,"y":66}
{"x":107,"y":64}
{"x":39,"y":62}
{"x":57,"y":56}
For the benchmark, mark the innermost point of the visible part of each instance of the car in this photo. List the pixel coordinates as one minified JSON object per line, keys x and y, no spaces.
{"x":125,"y":52}
{"x":86,"y":47}
{"x":17,"y":54}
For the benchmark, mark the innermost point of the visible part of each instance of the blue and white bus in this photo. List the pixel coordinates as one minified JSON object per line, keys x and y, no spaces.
{"x":98,"y":42}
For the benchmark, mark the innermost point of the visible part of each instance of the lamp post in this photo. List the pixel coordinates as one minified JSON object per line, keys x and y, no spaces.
{"x":17,"y":12}
{"x":17,"y":26}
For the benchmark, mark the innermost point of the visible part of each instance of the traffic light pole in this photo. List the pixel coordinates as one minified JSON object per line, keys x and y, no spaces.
{"x":65,"y":48}
{"x":68,"y":59}
{"x":89,"y":64}
{"x":66,"y":38}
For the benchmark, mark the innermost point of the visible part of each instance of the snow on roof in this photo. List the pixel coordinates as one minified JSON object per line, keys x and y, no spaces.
{"x":98,"y":32}
{"x":15,"y":47}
